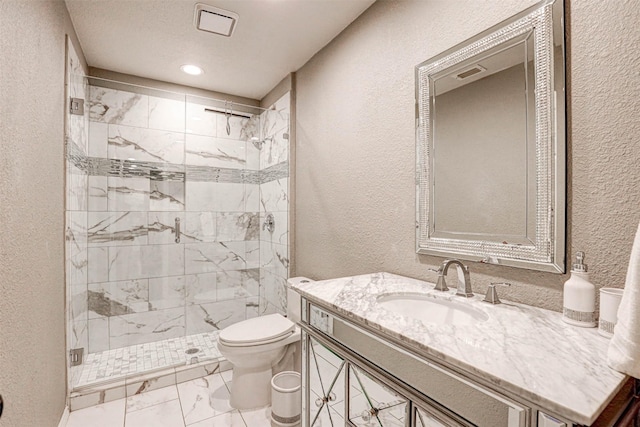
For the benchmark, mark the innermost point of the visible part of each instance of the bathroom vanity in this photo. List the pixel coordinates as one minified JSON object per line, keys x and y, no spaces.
{"x":387,"y":350}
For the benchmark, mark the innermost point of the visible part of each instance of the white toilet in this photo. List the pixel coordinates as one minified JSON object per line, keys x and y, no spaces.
{"x":258,"y":348}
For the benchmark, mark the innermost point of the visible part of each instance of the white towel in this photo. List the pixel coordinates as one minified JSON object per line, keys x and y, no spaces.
{"x":624,"y":349}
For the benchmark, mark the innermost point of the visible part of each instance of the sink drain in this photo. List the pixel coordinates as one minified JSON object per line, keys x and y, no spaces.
{"x":192,"y":351}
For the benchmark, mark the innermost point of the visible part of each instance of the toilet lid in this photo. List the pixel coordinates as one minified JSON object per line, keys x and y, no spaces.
{"x":257,"y":330}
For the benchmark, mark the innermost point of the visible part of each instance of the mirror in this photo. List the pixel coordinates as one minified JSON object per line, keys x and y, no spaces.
{"x":491,"y":145}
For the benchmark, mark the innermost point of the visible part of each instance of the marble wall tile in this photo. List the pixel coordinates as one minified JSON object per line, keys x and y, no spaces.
{"x":167,"y":292}
{"x":253,"y":156}
{"x":167,"y":114}
{"x":274,"y":195}
{"x":200,"y":196}
{"x":118,"y":107}
{"x":76,"y":248}
{"x":212,"y":196}
{"x":128,"y":194}
{"x":275,"y":149}
{"x":275,"y":257}
{"x":79,"y":335}
{"x":275,"y":120}
{"x":229,"y":197}
{"x":273,"y":289}
{"x":77,"y":266}
{"x":77,"y":88}
{"x":98,"y":261}
{"x":161,"y":228}
{"x":240,"y":128}
{"x":251,"y":280}
{"x":214,"y":316}
{"x":77,"y":305}
{"x":140,"y":328}
{"x":252,"y":197}
{"x":118,"y":298}
{"x":200,"y":122}
{"x":252,"y":254}
{"x":78,"y":132}
{"x":252,"y":307}
{"x":98,"y":335}
{"x":166,"y":195}
{"x":126,"y":142}
{"x":280,"y":234}
{"x":211,"y":257}
{"x":201,"y":226}
{"x":98,"y":139}
{"x":201,"y":288}
{"x":230,"y":285}
{"x":229,"y":281}
{"x":215,"y":152}
{"x":77,"y":184}
{"x":139,"y":262}
{"x":238,"y":226}
{"x":265,"y":307}
{"x":117,"y":228}
{"x":97,"y":197}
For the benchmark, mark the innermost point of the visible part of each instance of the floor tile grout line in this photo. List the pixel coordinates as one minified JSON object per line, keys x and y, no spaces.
{"x":124,"y":421}
{"x":184,"y":419}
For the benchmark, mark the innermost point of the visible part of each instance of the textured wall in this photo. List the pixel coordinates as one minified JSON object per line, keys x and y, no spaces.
{"x":355,"y":142}
{"x":32,"y":295}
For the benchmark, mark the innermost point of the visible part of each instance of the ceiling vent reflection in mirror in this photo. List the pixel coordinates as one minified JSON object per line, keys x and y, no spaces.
{"x":215,"y":20}
{"x":471,"y":72}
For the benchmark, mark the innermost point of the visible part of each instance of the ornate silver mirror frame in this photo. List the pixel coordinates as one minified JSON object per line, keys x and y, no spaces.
{"x":544,"y":247}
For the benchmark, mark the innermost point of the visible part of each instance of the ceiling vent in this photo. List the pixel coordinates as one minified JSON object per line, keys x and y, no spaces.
{"x":215,"y":20}
{"x":470,"y":72}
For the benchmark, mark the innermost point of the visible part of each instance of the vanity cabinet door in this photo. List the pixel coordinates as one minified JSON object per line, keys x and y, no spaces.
{"x":428,"y":418}
{"x":326,"y":386}
{"x":371,"y":403}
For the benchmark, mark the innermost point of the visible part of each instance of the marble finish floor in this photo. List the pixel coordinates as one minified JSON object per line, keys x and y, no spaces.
{"x":203,"y":402}
{"x":119,"y":363}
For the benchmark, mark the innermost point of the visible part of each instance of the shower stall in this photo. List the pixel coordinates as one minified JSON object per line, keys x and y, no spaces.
{"x":177,"y":224}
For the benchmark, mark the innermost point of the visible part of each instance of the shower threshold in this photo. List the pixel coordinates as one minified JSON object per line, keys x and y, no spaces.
{"x":118,"y":364}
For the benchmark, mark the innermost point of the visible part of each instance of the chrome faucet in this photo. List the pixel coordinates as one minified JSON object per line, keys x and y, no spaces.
{"x":464,"y":285}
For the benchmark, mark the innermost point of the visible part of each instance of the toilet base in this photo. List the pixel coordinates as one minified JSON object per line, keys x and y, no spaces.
{"x":250,"y":388}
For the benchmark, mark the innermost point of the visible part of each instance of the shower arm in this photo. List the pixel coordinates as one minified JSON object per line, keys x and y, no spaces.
{"x":211,"y":110}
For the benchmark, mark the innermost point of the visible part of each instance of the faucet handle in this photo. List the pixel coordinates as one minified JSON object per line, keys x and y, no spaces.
{"x":492,"y":293}
{"x":441,"y":285}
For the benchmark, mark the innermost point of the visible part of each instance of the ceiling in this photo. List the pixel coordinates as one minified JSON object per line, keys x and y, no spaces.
{"x":153,"y":38}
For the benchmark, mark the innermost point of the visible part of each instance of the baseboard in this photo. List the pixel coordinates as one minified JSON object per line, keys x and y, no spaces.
{"x":64,"y":418}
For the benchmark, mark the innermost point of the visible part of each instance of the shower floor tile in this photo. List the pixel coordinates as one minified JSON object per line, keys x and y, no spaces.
{"x":122,"y":362}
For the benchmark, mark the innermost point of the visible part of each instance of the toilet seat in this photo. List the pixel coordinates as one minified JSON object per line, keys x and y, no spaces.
{"x":257,"y":331}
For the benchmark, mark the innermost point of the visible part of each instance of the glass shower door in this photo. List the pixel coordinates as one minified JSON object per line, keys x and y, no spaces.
{"x":136,"y":200}
{"x":171,"y":228}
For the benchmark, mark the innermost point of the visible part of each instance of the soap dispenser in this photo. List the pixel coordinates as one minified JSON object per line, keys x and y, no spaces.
{"x":579,"y":296}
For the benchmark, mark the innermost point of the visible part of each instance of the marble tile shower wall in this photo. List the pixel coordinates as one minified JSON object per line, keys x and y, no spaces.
{"x":153,"y":160}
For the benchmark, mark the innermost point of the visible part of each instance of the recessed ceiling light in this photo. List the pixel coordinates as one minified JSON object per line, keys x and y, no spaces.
{"x":194,"y":70}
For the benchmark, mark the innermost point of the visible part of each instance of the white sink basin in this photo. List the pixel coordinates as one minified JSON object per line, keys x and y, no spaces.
{"x":431,"y":309}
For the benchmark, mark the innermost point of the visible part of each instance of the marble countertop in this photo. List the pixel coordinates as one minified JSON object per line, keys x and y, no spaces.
{"x":526,"y":350}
